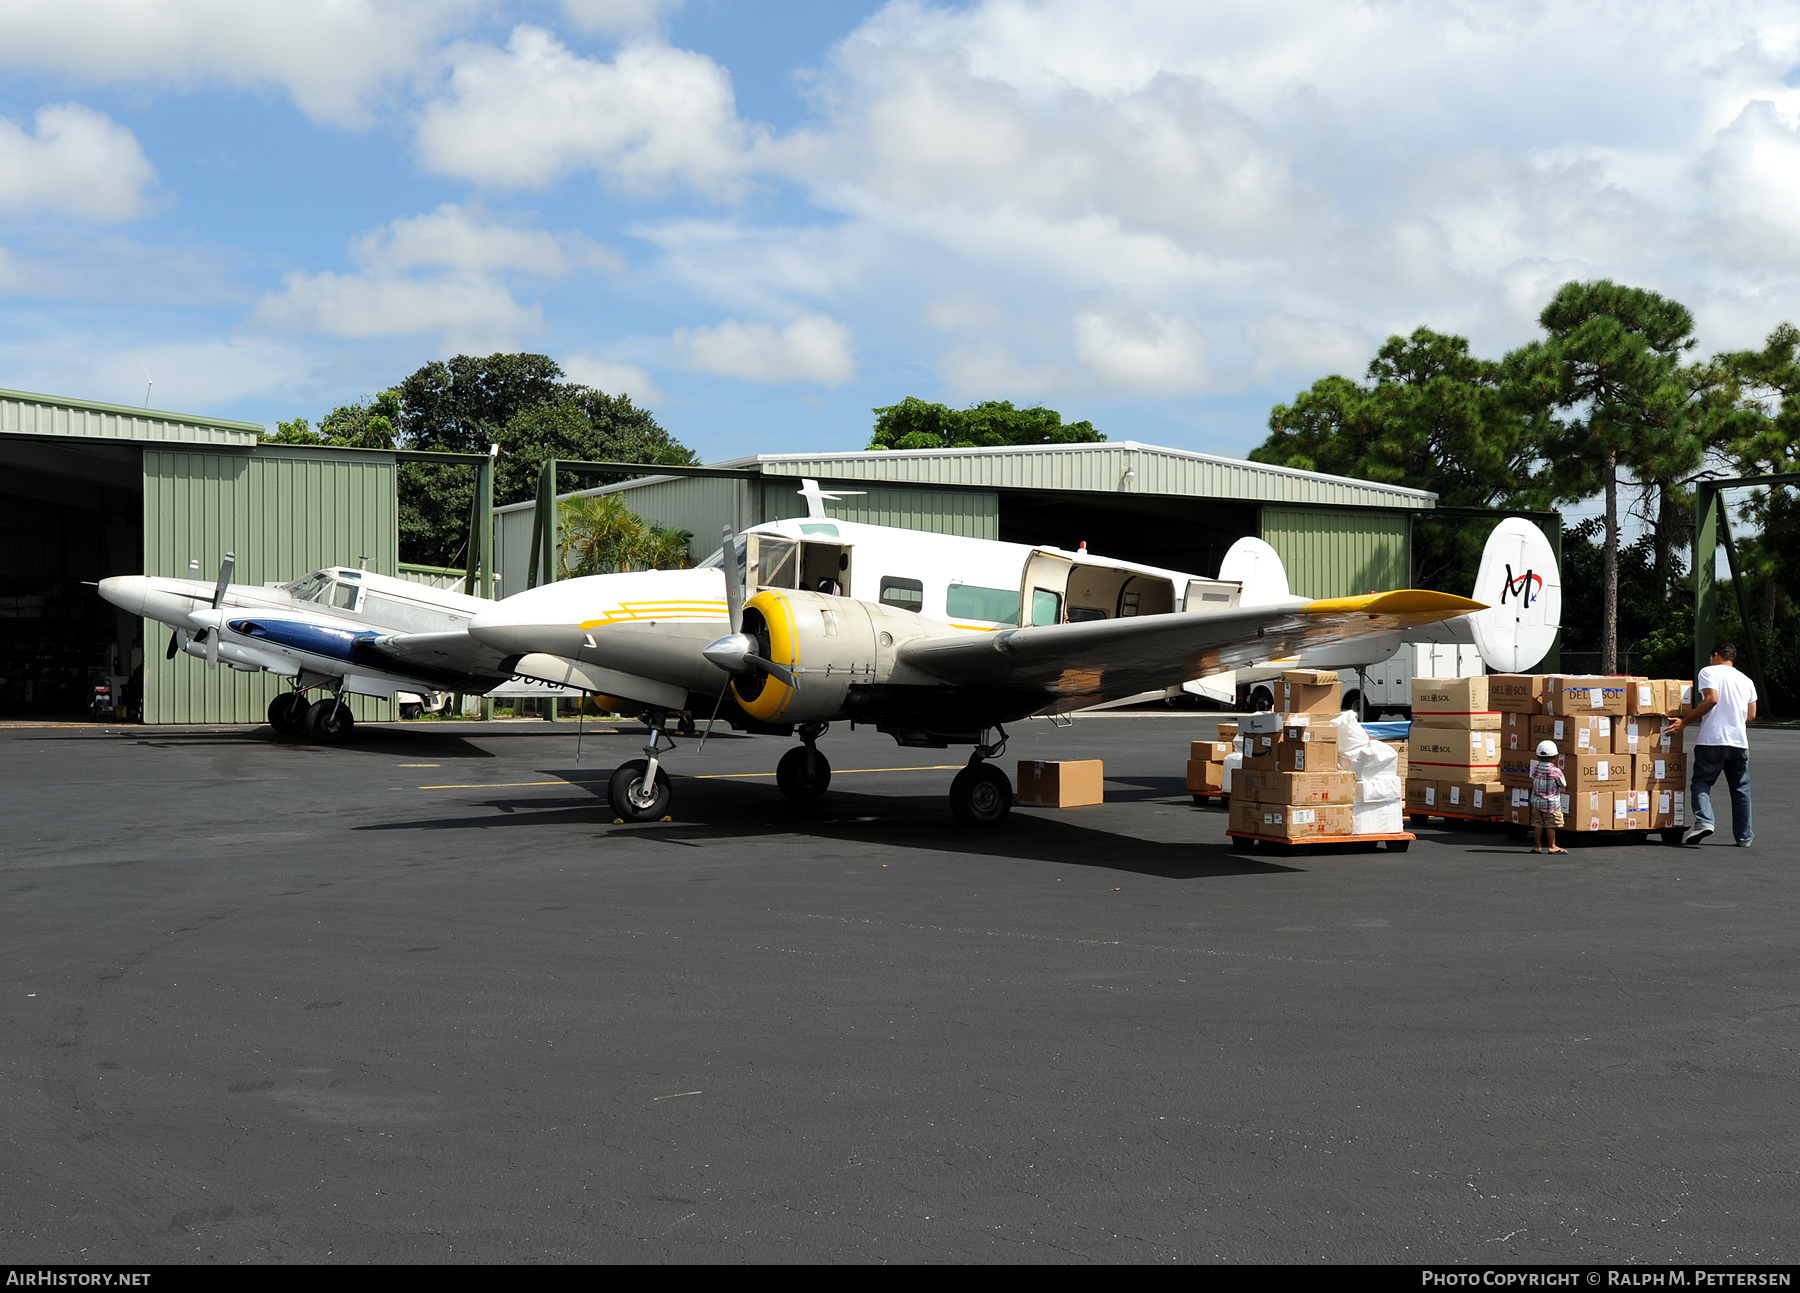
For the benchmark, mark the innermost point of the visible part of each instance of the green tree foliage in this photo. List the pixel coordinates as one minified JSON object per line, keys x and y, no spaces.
{"x":465,"y":404}
{"x":915,"y":424}
{"x":1430,"y":416}
{"x":601,"y":536}
{"x":1612,"y":365}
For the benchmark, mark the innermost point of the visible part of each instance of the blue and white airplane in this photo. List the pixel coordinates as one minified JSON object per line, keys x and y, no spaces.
{"x":335,"y":631}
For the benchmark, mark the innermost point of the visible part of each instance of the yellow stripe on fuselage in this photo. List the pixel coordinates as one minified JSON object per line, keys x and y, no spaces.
{"x":628,"y":612}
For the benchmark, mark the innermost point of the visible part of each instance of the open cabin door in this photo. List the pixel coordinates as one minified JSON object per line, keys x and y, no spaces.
{"x":1044,"y":588}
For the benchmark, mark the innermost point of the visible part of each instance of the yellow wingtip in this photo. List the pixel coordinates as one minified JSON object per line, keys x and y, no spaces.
{"x":1401,"y":601}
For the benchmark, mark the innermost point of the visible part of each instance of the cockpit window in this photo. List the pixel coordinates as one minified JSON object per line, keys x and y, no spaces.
{"x":312,"y":588}
{"x":344,"y":596}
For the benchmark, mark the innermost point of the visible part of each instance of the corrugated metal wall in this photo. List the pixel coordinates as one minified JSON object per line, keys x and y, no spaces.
{"x":973,"y":514}
{"x":30,"y":414}
{"x":1338,"y":553}
{"x":284,"y":512}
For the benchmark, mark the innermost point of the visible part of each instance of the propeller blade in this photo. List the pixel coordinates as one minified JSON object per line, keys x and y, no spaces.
{"x":717,"y":706}
{"x":212,"y":648}
{"x":734,"y":583}
{"x":174,"y":645}
{"x":225,"y":568}
{"x":780,"y":671}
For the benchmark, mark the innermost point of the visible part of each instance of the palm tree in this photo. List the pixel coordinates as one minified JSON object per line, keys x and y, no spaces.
{"x":600,"y":535}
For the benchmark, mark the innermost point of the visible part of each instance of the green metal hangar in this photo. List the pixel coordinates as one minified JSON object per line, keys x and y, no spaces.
{"x":89,"y":490}
{"x":1138,"y":502}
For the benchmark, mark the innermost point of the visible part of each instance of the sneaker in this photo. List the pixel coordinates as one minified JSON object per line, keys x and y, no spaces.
{"x":1697,"y":832}
{"x":1743,"y":844}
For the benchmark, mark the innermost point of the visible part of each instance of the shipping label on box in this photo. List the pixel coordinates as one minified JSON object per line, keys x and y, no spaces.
{"x":1310,"y":787}
{"x":1475,"y":798}
{"x":1628,"y":814}
{"x":1585,"y":694}
{"x":1668,"y":808}
{"x":1644,"y":696}
{"x":1456,"y":697}
{"x":1313,"y":820}
{"x":1068,"y":783}
{"x":1678,"y":696}
{"x":1627,"y":735}
{"x":1453,"y":747}
{"x":1422,"y":794}
{"x":1521,"y":693}
{"x":1213,"y":750}
{"x":1515,"y":730}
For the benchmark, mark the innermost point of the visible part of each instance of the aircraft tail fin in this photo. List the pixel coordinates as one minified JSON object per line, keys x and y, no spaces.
{"x":1257,"y":567}
{"x":1522,"y":587}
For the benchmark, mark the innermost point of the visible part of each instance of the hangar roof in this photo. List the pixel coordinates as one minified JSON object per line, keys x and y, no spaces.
{"x":1119,"y":466}
{"x":24,"y":413}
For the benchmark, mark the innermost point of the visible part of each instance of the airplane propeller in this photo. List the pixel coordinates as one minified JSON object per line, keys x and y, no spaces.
{"x":735,"y":653}
{"x":218,"y":599}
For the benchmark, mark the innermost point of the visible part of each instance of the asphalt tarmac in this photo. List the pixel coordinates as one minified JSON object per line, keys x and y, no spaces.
{"x":421,"y":1000}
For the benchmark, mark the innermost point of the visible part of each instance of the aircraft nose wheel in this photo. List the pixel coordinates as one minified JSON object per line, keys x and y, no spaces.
{"x":329,"y":722}
{"x":803,"y":774}
{"x":629,"y":798}
{"x":981,"y":795}
{"x":287,"y":713}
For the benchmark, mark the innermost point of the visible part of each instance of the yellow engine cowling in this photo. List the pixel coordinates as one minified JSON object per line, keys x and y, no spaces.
{"x":832,"y":643}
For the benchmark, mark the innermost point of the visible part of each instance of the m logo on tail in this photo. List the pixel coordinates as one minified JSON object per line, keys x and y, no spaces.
{"x":1526,"y":587}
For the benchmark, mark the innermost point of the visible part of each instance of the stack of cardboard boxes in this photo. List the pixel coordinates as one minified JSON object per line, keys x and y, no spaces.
{"x":1473,"y":741}
{"x":1290,"y":787}
{"x":1212,"y":765}
{"x":1454,"y":764}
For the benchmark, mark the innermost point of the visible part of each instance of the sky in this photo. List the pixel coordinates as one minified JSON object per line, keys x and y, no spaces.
{"x":762,"y":220}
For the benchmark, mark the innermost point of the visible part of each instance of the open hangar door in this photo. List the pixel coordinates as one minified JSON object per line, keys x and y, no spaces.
{"x":1187,"y":534}
{"x":70,"y":515}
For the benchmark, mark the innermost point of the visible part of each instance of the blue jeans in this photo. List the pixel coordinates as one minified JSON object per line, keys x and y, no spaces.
{"x":1734,"y":762}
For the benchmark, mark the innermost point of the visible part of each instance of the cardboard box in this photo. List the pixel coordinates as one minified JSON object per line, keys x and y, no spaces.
{"x":1668,"y":808}
{"x":1518,"y":805}
{"x":1520,"y":693}
{"x":1607,"y":772}
{"x":1205,"y":777}
{"x":1446,"y":751}
{"x":1246,"y":815}
{"x":1474,"y":798}
{"x":1678,"y":696}
{"x":1422,"y":794}
{"x":1515,"y":767}
{"x":1304,"y":788}
{"x":1226,"y":732}
{"x":1654,"y":736}
{"x":1299,"y":823}
{"x":1585,"y":694}
{"x":1636,"y":734}
{"x":1587,"y":811}
{"x":1450,"y":698}
{"x":1577,"y":734}
{"x":1630,"y":813}
{"x":1269,"y":722}
{"x":1310,"y":691}
{"x":1297,"y":749}
{"x":1665,"y":770}
{"x":1644,"y":696}
{"x":1215,"y":751}
{"x":1066,"y":783}
{"x":1515,"y":730}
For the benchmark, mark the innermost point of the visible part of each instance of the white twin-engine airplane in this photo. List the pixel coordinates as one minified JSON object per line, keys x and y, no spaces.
{"x":938,"y":640}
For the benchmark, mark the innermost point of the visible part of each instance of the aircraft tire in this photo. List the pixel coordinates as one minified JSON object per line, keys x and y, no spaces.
{"x":287,"y":713}
{"x":803,"y":774}
{"x":329,"y":722}
{"x":981,"y":795}
{"x":630,"y":776}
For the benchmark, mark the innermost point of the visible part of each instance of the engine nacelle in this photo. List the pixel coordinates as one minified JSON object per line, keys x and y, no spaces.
{"x":832,"y":644}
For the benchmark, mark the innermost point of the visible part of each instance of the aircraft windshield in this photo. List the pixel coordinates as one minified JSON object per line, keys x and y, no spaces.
{"x":312,"y":588}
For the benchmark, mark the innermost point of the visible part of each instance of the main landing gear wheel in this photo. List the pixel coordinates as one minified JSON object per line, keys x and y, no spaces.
{"x":629,"y":799}
{"x":287,"y":713}
{"x":803,"y":774}
{"x":329,"y":722}
{"x":981,"y":795}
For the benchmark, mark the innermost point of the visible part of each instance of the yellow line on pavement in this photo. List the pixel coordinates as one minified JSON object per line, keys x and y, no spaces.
{"x":836,"y":772}
{"x":505,"y":785}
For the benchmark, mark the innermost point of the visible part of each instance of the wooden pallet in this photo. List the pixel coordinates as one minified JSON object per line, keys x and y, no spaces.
{"x":1419,"y":818}
{"x":1201,"y":801}
{"x":1396,"y":843}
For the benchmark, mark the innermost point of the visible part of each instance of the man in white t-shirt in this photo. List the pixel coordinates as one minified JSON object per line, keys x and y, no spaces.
{"x":1727,"y":704}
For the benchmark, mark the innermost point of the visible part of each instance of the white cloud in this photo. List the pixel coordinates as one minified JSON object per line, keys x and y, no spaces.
{"x":454,"y":237}
{"x":614,"y":378}
{"x":963,"y":310}
{"x":988,"y":370}
{"x":1752,"y":173}
{"x":334,"y":59}
{"x":526,"y":115}
{"x":1287,"y":345}
{"x":813,"y":348}
{"x":616,"y":15}
{"x":476,"y":307}
{"x":1141,"y":352}
{"x":78,"y":163}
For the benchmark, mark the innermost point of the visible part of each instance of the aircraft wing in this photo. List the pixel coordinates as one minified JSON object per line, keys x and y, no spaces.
{"x":433,"y":654}
{"x":1107,"y":659}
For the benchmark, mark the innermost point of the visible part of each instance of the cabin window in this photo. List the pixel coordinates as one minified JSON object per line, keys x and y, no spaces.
{"x":777,"y":563}
{"x":972,"y":602}
{"x":902,"y":594}
{"x":344,"y":596}
{"x":310,"y":589}
{"x":1085,"y":614}
{"x":1046,"y":606}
